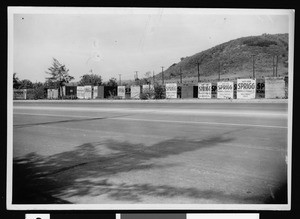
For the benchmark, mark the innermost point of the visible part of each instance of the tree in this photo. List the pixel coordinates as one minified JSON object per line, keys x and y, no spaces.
{"x":90,"y":79}
{"x":59,"y":74}
{"x":26,"y":84}
{"x":112,"y":82}
{"x":16,"y":81}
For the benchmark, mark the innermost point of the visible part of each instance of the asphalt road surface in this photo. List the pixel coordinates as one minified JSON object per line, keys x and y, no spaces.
{"x":149,"y":153}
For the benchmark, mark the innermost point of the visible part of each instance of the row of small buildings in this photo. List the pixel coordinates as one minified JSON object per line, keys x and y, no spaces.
{"x":247,"y":88}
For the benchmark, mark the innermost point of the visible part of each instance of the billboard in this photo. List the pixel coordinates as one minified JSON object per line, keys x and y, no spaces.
{"x":148,"y":88}
{"x":171,"y":90}
{"x":274,"y":87}
{"x":204,"y":90}
{"x":80,"y":92}
{"x":95,"y":92}
{"x":88,"y":92}
{"x":135,"y":92}
{"x":121,"y":91}
{"x":225,"y":90}
{"x":246,"y":89}
{"x":260,"y":88}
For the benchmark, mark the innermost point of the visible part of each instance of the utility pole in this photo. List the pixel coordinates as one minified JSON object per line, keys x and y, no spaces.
{"x":136,"y":75}
{"x":219,"y":71}
{"x":198,"y":72}
{"x":253,"y":66}
{"x":120,"y":79}
{"x":276,"y":65}
{"x":180,"y":75}
{"x":273,"y":66}
{"x":162,"y":74}
{"x":153,"y":77}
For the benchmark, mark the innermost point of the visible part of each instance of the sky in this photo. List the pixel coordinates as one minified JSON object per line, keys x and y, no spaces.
{"x":111,"y":41}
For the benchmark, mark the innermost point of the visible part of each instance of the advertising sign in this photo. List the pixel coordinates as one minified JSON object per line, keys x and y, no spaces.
{"x":54,"y":93}
{"x":148,"y":88}
{"x":274,"y":87}
{"x":171,"y":90}
{"x":246,"y":89}
{"x":121,"y":91}
{"x":135,"y":92}
{"x":88,"y":92}
{"x":95,"y":92}
{"x":204,"y":90}
{"x":49,"y":94}
{"x":225,"y":90}
{"x":260,"y":88}
{"x":80,"y":92}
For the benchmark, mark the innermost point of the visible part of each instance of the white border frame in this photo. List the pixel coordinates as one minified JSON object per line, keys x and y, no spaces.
{"x":70,"y":10}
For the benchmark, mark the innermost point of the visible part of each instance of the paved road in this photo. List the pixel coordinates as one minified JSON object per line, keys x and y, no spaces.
{"x":194,"y":153}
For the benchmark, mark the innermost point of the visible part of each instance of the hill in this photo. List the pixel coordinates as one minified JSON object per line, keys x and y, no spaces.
{"x":233,"y":59}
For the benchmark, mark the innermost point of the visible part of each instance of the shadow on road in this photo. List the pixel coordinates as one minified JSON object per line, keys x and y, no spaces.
{"x":66,"y":121}
{"x":85,"y":171}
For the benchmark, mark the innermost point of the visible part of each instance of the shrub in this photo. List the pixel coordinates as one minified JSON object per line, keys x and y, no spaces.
{"x":159,"y":92}
{"x":259,"y":42}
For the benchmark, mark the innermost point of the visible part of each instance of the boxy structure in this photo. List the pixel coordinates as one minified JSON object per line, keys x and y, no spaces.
{"x":80,"y":92}
{"x":100,"y":92}
{"x":71,"y":91}
{"x":274,"y":87}
{"x":121,"y":92}
{"x":246,"y":88}
{"x":135,"y":92}
{"x":225,"y":90}
{"x":204,"y":90}
{"x":171,"y":90}
{"x":187,"y":92}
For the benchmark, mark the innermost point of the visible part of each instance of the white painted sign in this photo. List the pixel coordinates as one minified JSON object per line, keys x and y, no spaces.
{"x":88,"y":92}
{"x":246,"y":88}
{"x":121,"y":91}
{"x":204,"y":90}
{"x":225,"y":90}
{"x":171,"y":90}
{"x":95,"y":92}
{"x":135,"y":92}
{"x":80,"y":92}
{"x":274,"y":87}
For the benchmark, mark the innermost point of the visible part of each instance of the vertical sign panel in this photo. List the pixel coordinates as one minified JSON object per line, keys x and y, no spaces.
{"x":274,"y":87}
{"x":55,"y":93}
{"x":88,"y":92}
{"x":135,"y":92}
{"x":260,"y":88}
{"x":80,"y":92}
{"x":225,"y":90}
{"x":204,"y":90}
{"x":171,"y":90}
{"x":95,"y":92}
{"x":49,"y":92}
{"x":121,"y":92}
{"x":246,"y":88}
{"x":148,"y":88}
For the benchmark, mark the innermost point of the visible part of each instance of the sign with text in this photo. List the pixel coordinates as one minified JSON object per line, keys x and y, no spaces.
{"x":204,"y":90}
{"x":88,"y":92}
{"x":121,"y":91}
{"x":246,"y":89}
{"x":135,"y":92}
{"x":80,"y":92}
{"x":171,"y":90}
{"x":225,"y":90}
